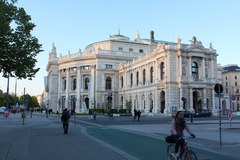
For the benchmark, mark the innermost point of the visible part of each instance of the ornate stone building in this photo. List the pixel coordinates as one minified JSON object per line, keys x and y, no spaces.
{"x":231,"y":87}
{"x":156,"y":76}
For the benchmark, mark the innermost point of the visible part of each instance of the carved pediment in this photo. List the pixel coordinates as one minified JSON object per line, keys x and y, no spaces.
{"x":196,"y":49}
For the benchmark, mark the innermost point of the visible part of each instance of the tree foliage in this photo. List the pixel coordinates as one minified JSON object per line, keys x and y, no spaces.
{"x":129,"y":106}
{"x":29,"y":101}
{"x":18,"y":48}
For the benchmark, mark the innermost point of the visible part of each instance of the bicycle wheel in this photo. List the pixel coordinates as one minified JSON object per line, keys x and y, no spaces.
{"x":190,"y":155}
{"x":170,"y":149}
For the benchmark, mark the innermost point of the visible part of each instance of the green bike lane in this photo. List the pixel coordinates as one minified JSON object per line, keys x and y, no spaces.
{"x":144,"y":147}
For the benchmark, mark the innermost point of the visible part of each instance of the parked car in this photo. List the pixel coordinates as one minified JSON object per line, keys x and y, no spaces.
{"x":187,"y":114}
{"x":203,"y":113}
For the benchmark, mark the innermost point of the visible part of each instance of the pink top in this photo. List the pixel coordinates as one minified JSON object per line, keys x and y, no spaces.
{"x":174,"y":131}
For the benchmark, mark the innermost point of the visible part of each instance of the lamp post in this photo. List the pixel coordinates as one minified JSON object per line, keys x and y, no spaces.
{"x":7,"y":97}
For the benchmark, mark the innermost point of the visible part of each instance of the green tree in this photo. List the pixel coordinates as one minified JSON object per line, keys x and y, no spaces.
{"x":129,"y":106}
{"x":3,"y":99}
{"x":18,"y":48}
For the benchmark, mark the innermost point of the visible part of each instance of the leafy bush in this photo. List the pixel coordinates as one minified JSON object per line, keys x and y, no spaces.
{"x":99,"y":110}
{"x":114,"y":110}
{"x":122,"y":111}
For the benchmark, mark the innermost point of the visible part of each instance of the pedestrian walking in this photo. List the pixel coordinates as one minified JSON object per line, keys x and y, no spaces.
{"x":138,"y":115}
{"x":94,"y":115}
{"x":90,"y":112}
{"x":134,"y":114}
{"x":110,"y":115}
{"x":65,"y":120}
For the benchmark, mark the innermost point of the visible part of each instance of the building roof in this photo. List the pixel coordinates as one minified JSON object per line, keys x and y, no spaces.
{"x":231,"y":68}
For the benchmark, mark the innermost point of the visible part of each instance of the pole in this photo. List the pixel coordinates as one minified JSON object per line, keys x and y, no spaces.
{"x":220,"y":118}
{"x":15,"y":97}
{"x":7,"y":98}
{"x":23,"y":104}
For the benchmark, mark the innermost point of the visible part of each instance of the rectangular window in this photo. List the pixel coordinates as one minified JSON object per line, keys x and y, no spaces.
{"x":226,"y":78}
{"x":235,"y":77}
{"x":140,"y":50}
{"x":226,"y":90}
{"x":226,"y":84}
{"x":120,"y":48}
{"x":108,"y":66}
{"x":235,"y":83}
{"x":130,"y":50}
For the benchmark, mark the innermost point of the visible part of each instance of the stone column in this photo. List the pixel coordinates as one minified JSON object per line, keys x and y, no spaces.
{"x":203,"y":69}
{"x":180,"y":99}
{"x":191,"y":100}
{"x":59,"y":91}
{"x":156,"y":106}
{"x":190,"y":68}
{"x":155,"y":71}
{"x":79,"y":86}
{"x":212,"y":69}
{"x":91,"y":88}
{"x":180,"y":67}
{"x":213,"y":100}
{"x":204,"y":98}
{"x":67,"y":89}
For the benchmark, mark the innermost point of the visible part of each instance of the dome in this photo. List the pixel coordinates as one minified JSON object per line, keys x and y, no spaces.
{"x":119,"y":37}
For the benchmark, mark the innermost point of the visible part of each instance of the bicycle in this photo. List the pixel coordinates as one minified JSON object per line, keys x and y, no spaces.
{"x":187,"y":153}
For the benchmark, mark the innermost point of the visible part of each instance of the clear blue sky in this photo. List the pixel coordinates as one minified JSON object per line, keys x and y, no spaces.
{"x":74,"y":24}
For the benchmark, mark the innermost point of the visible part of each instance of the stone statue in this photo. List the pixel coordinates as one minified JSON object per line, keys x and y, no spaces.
{"x":137,"y":35}
{"x":210,"y":46}
{"x":53,"y":48}
{"x":178,"y":40}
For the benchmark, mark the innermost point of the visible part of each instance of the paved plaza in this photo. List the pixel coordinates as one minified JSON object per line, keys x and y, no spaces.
{"x":103,"y":139}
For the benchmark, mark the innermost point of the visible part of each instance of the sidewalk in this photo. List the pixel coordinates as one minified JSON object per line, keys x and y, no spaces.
{"x":43,"y":139}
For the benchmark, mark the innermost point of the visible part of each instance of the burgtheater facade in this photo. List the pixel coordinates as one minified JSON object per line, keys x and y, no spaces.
{"x":156,"y":76}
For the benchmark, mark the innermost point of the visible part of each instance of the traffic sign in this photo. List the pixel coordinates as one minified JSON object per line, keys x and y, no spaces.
{"x":183,"y":99}
{"x":218,"y":88}
{"x":233,"y":98}
{"x":110,"y":94}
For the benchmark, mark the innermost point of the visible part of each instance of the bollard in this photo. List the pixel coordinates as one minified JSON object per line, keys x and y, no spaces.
{"x":191,"y":116}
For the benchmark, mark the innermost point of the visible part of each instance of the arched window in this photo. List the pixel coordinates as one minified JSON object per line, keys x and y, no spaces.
{"x":86,"y":83}
{"x":74,"y":86}
{"x":64,"y":84}
{"x":108,"y":83}
{"x":131,"y":79}
{"x":137,"y":78}
{"x":144,"y":76}
{"x":122,"y":81}
{"x":151,"y":75}
{"x":195,"y":70}
{"x":162,"y":71}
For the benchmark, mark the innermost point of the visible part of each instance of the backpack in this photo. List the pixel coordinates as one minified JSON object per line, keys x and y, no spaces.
{"x":170,"y":139}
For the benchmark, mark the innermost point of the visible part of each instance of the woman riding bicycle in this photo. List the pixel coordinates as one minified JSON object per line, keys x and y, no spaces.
{"x":178,"y":126}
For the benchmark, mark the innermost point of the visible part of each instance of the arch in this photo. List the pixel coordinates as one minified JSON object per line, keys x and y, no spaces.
{"x":151,"y":75}
{"x":74,"y":86}
{"x":197,"y":102}
{"x":136,"y":102}
{"x":131,"y":79}
{"x":162,"y":71}
{"x":137,"y":78}
{"x":151,"y":103}
{"x":144,"y":76}
{"x":87,"y":102}
{"x":86,"y":83}
{"x":108,"y":84}
{"x":194,"y":70}
{"x":122,"y":81}
{"x":121,"y":102}
{"x":162,"y":101}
